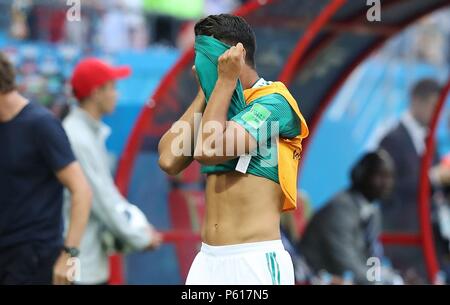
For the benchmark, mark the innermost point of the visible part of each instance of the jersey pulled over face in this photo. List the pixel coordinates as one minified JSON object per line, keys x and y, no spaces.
{"x":265,"y":119}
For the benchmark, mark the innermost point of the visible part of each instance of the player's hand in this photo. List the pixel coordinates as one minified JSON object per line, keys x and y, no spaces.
{"x":231,"y":63}
{"x":156,"y":239}
{"x":61,"y":270}
{"x":442,"y":172}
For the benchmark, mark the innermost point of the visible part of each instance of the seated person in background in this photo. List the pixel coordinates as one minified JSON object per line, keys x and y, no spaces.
{"x":343,"y":235}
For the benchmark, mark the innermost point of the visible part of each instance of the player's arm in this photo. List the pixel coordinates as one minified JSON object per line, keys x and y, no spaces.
{"x":176,"y":147}
{"x":221,"y":140}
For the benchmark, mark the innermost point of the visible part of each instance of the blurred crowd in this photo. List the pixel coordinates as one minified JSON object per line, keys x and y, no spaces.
{"x":51,"y":44}
{"x":110,"y":25}
{"x":43,"y":77}
{"x":427,"y":41}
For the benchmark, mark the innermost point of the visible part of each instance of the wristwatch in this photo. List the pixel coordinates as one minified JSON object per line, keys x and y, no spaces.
{"x":73,"y":252}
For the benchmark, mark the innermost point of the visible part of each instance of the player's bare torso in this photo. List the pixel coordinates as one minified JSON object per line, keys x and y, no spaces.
{"x":241,"y":208}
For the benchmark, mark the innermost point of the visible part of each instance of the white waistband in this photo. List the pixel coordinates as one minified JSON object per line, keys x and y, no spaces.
{"x":261,"y":246}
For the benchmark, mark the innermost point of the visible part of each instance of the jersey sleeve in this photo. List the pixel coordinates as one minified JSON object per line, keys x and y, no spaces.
{"x":267,"y":117}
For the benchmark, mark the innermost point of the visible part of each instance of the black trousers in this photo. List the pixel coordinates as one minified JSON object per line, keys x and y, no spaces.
{"x":28,"y":264}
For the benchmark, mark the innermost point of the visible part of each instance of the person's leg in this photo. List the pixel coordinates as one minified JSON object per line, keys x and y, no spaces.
{"x":29,"y":264}
{"x":270,"y":265}
{"x":6,"y":255}
{"x":47,"y":259}
{"x":265,"y":268}
{"x":19,"y":266}
{"x":287,"y":276}
{"x":258,"y":263}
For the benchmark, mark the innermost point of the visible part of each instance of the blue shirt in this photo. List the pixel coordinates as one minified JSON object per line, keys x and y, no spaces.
{"x":33,"y":146}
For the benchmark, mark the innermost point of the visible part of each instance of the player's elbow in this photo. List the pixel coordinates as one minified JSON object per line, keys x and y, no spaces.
{"x":168,"y":165}
{"x":206,"y":158}
{"x":208,"y":154}
{"x":167,"y":161}
{"x":202,"y":160}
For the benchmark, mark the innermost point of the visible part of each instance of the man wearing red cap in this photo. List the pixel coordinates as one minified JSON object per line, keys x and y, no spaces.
{"x":113,"y":218}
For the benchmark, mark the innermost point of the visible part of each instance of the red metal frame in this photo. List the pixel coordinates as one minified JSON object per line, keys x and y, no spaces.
{"x":131,"y":149}
{"x":424,"y":208}
{"x":302,"y":46}
{"x":296,"y":60}
{"x":325,"y":103}
{"x":402,"y":239}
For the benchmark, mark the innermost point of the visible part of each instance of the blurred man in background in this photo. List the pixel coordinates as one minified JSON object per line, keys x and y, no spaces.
{"x":35,"y":162}
{"x":406,"y":145}
{"x":343,"y":235}
{"x":93,"y":84}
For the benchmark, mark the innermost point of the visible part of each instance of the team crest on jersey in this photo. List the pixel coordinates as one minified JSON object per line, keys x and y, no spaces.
{"x":256,"y":116}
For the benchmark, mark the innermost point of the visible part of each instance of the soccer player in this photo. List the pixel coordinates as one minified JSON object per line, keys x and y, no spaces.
{"x":249,"y":143}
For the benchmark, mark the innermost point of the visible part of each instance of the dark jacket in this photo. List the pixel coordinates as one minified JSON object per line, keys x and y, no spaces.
{"x":399,"y":211}
{"x":335,"y":238}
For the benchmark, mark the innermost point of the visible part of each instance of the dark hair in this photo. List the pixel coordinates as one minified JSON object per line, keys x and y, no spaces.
{"x":367,"y":166}
{"x":424,"y":88}
{"x":229,"y":29}
{"x":7,"y":75}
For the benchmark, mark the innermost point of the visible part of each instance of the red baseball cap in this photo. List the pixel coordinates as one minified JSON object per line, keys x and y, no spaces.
{"x":91,"y":73}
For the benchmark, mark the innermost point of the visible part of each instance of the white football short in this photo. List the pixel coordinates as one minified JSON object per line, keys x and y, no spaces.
{"x":259,"y":263}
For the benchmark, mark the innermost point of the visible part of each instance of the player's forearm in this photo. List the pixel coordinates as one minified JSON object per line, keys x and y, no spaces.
{"x":217,"y":109}
{"x":214,"y":120}
{"x":174,"y":156}
{"x":79,"y":215}
{"x":185,"y":127}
